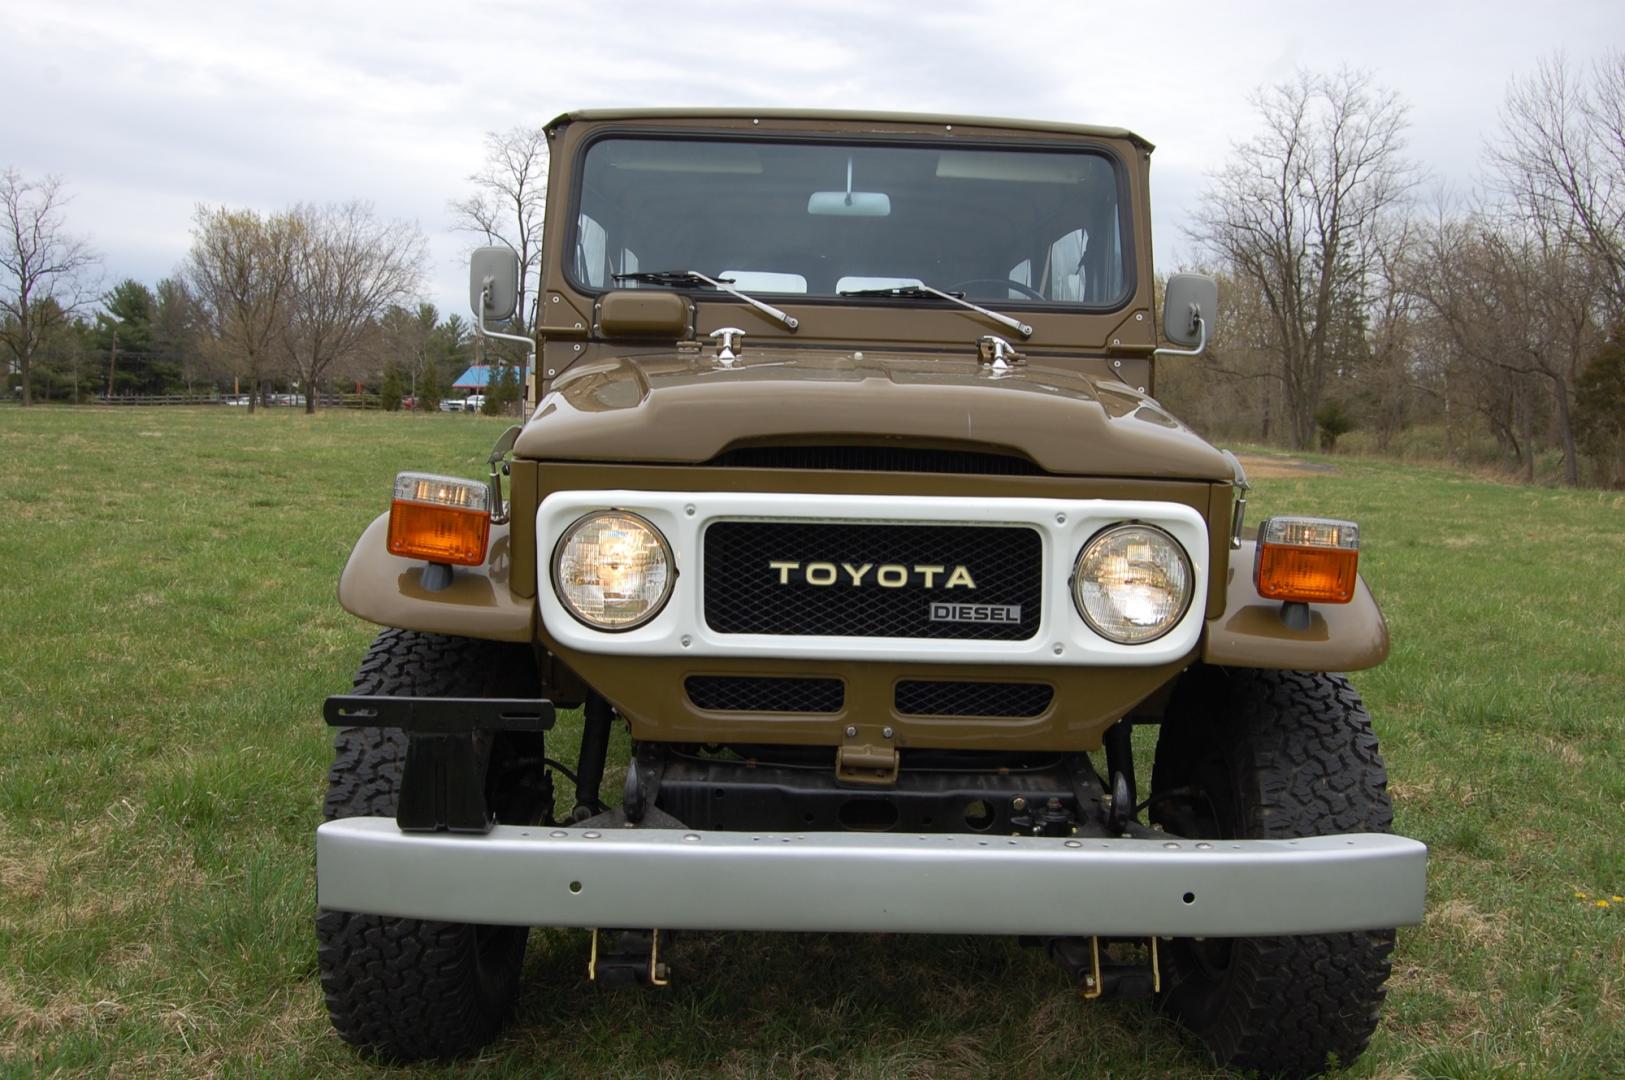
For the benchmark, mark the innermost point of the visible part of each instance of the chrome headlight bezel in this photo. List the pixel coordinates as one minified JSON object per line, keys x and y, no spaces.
{"x":1109,"y":533}
{"x":563,"y":595}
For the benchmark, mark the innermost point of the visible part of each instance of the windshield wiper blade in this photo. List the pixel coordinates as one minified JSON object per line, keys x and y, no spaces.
{"x":920,"y":292}
{"x":901,"y":292}
{"x":660,"y":277}
{"x":678,"y":278}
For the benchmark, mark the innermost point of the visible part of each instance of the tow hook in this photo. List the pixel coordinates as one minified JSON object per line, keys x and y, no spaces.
{"x":627,"y":958}
{"x":1119,"y":967}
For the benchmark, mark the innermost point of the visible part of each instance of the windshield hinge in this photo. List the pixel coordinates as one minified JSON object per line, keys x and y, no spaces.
{"x":997,"y":353}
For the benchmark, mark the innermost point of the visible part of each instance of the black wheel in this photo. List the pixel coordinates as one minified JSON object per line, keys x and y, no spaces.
{"x":1000,"y":283}
{"x":1264,"y":754}
{"x":407,"y":989}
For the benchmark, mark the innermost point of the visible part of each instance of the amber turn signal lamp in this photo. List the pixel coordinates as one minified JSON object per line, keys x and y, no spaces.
{"x":1307,"y":560}
{"x":443,"y":519}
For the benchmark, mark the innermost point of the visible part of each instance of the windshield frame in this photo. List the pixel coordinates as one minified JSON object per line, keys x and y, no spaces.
{"x":1128,"y":236}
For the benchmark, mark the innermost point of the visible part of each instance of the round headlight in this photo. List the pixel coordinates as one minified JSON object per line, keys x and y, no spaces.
{"x":1132,"y":583}
{"x":613,"y":570}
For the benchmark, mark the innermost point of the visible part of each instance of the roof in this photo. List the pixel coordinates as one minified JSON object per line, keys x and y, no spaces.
{"x":856,"y":116}
{"x":477,"y":377}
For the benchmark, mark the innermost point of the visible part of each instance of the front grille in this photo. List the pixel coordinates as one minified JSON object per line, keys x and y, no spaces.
{"x":723,"y":693}
{"x":745,"y":594}
{"x":919,"y":697}
{"x":877,"y":459}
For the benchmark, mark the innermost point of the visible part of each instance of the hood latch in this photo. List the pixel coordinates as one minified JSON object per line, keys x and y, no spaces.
{"x":730,"y":336}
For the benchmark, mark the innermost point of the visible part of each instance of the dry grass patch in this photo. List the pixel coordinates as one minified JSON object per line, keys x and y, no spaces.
{"x":1473,"y":927}
{"x":22,"y":1021}
{"x":1261,"y":467}
{"x":1564,"y":750}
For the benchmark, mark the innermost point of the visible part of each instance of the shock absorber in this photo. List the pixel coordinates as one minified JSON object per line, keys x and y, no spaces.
{"x":595,"y":721}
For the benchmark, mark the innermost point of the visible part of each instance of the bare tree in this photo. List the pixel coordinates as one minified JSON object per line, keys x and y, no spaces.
{"x":1235,"y":392}
{"x":1561,"y":160}
{"x":406,"y":337}
{"x":507,"y":206}
{"x":509,"y":200}
{"x":240,"y":274}
{"x":43,"y":268}
{"x":175,"y":331}
{"x":349,"y":267}
{"x":1519,"y":304}
{"x":1389,"y":376}
{"x":1298,"y":213}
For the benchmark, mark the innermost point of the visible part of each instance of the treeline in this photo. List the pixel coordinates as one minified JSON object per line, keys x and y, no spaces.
{"x":313,"y":300}
{"x":1487,"y":329}
{"x":149,"y":341}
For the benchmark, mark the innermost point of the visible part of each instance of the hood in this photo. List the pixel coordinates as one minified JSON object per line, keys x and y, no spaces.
{"x":673,"y":408}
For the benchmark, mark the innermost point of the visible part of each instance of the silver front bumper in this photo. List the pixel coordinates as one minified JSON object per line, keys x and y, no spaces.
{"x":881,"y":882}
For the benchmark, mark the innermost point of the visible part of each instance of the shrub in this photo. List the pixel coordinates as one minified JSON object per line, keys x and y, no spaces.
{"x":1334,"y":420}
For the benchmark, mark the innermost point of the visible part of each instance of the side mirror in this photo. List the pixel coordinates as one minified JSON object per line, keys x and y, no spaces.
{"x":493,"y":283}
{"x":1190,"y":308}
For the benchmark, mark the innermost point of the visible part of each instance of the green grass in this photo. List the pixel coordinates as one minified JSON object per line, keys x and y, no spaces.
{"x":168,"y":629}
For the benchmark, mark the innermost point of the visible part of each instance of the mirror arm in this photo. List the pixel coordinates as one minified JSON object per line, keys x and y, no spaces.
{"x":1201,"y":339}
{"x":481,"y":331}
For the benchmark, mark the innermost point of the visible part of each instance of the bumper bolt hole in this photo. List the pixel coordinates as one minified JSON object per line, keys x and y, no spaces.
{"x":575,"y":886}
{"x":1189,"y":898}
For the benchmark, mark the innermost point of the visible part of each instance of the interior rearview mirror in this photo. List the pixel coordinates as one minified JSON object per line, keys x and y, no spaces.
{"x":493,"y":283}
{"x":850,"y":203}
{"x":1190,"y":309}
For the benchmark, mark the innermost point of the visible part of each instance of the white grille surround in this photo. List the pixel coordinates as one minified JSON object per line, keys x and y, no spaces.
{"x":1065,"y":525}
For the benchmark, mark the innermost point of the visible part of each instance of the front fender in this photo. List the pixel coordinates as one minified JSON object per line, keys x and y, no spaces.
{"x":1250,"y":633}
{"x":388,"y":590}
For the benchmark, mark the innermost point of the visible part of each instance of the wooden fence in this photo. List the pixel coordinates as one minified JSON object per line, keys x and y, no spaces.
{"x":326,"y":401}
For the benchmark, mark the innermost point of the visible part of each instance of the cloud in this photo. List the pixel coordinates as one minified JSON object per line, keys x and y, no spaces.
{"x":148,"y":109}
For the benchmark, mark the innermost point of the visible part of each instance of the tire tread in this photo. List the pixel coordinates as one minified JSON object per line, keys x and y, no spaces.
{"x":411,"y":989}
{"x":1303,"y":761}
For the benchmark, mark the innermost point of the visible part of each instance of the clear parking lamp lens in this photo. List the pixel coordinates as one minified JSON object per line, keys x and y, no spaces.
{"x":613,"y":570}
{"x":1132,"y":583}
{"x":443,"y":519}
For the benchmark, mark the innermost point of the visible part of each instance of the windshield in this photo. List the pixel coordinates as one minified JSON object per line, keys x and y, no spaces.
{"x":1037,"y":227}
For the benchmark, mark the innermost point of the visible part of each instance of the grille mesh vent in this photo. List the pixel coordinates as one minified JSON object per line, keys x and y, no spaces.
{"x":745,"y":594}
{"x":877,"y":459}
{"x":722,"y":693}
{"x":918,"y":697}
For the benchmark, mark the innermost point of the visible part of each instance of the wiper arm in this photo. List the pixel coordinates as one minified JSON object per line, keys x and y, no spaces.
{"x":920,"y":292}
{"x":678,"y":278}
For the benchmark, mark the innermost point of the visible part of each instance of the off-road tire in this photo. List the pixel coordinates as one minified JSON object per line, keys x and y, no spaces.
{"x":409,"y":989}
{"x":1271,"y":754}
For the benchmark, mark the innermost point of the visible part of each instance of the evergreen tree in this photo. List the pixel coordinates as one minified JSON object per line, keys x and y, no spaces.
{"x":389,"y":393}
{"x":430,"y":388}
{"x":130,"y":360}
{"x":501,"y":392}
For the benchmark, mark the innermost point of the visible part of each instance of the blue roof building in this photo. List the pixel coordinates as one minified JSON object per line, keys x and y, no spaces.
{"x":477,"y":377}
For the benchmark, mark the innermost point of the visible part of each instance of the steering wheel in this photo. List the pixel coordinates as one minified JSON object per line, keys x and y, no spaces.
{"x":1001,"y":283}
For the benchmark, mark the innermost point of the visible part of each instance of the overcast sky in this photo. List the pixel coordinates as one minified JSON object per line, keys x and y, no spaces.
{"x":147,"y":109}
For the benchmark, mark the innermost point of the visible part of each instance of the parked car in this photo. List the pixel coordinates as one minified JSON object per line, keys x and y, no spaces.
{"x":474,"y":403}
{"x":451,"y":405}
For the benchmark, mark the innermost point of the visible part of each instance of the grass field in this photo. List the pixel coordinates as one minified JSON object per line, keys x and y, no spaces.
{"x":168,"y":630}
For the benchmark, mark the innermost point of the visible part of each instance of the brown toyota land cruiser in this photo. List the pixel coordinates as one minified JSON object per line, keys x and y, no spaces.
{"x":844,"y":487}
